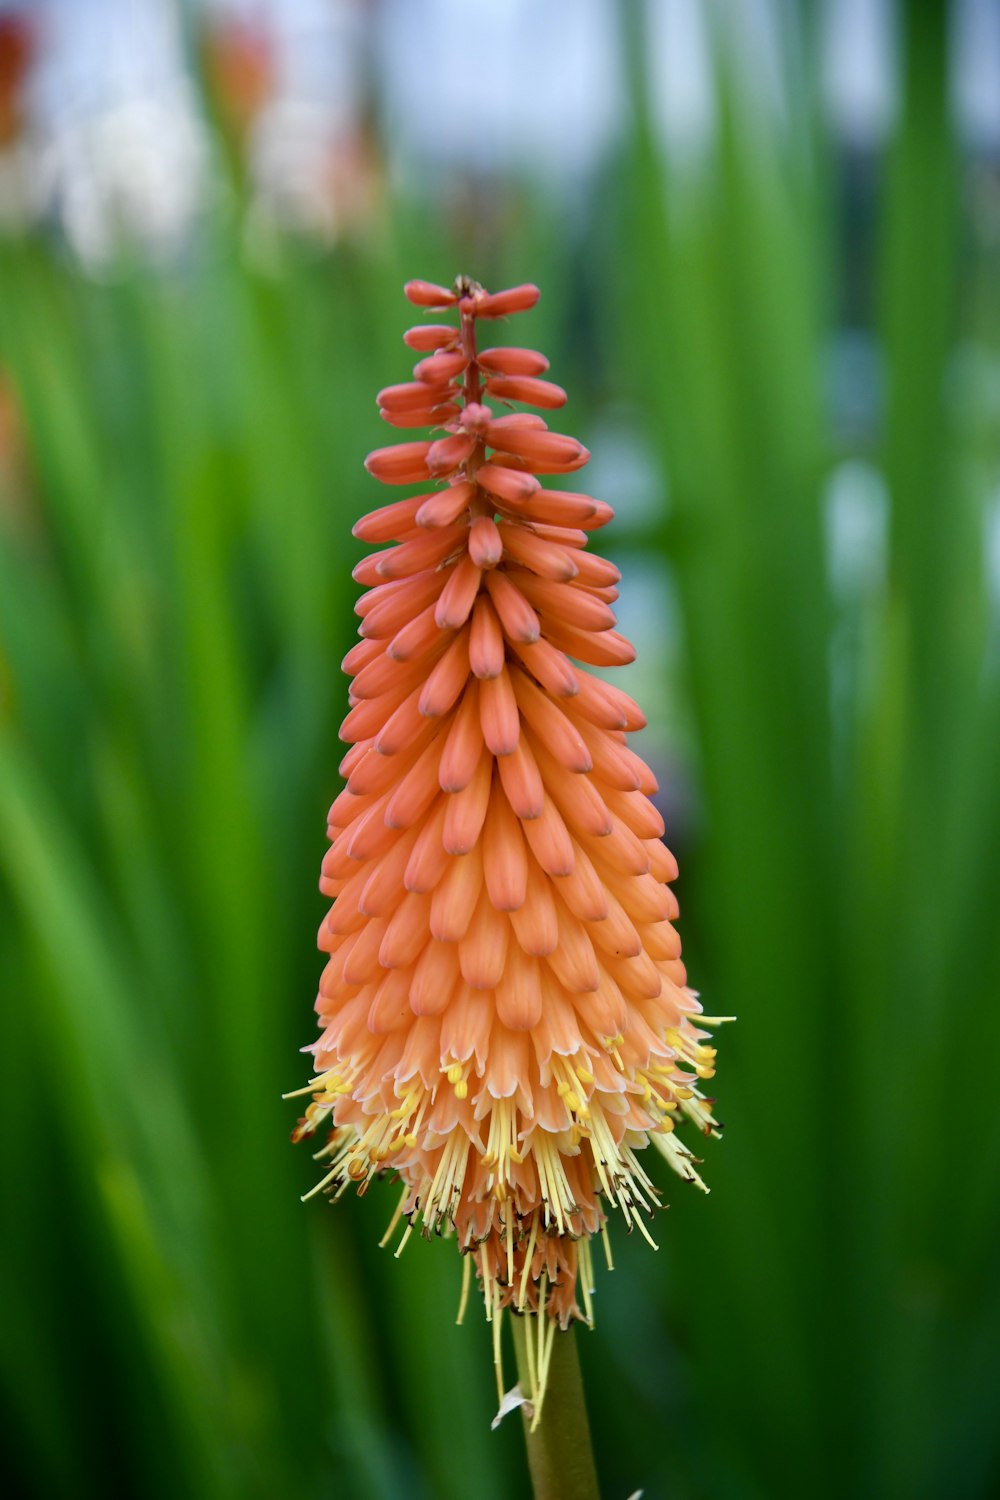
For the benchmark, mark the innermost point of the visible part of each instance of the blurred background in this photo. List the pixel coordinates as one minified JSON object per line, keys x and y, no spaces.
{"x":768,"y":240}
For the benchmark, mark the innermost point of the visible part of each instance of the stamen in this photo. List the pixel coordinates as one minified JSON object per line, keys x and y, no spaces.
{"x":541,"y":1363}
{"x":391,"y":1230}
{"x":509,"y":1235}
{"x":529,"y":1347}
{"x":551,"y":1328}
{"x":463,"y":1300}
{"x":487,"y":1286}
{"x":586,"y":1279}
{"x":529,"y":1257}
{"x":498,"y":1351}
{"x":318,"y":1084}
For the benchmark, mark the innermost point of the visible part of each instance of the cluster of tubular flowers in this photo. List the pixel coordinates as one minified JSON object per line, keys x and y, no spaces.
{"x":505,"y":1016}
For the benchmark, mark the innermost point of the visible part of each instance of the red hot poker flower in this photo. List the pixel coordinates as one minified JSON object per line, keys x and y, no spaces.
{"x":505,"y":1015}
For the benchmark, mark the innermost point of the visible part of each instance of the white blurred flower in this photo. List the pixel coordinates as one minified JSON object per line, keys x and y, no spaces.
{"x":501,"y":86}
{"x":133,"y":174}
{"x":859,"y":57}
{"x":307,"y":155}
{"x":975,"y":68}
{"x":122,"y":151}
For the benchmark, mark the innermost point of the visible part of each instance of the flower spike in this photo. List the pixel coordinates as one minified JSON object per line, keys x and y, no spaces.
{"x":506,"y":1020}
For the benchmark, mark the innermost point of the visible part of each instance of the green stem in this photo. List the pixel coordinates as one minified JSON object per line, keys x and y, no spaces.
{"x":560,"y":1456}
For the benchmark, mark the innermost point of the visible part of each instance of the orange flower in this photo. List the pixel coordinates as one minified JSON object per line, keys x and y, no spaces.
{"x":240,"y":66}
{"x":506,"y":1018}
{"x":17,"y":46}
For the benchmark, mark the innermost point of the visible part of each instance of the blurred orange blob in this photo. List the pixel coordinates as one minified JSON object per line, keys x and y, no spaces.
{"x":240,"y":69}
{"x":17,"y":46}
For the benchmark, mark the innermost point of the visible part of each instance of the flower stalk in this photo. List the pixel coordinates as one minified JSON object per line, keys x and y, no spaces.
{"x":560,"y":1453}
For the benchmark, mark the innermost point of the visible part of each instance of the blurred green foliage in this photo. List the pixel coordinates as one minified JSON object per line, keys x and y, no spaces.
{"x":175,"y":596}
